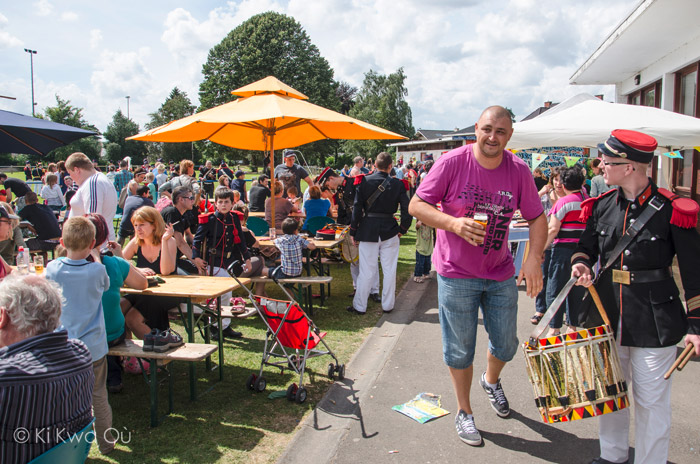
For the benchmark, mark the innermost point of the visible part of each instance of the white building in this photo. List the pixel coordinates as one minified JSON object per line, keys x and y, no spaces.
{"x":652,"y":58}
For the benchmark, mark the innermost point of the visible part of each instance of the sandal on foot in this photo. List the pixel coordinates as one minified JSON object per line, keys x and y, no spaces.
{"x":536,"y":318}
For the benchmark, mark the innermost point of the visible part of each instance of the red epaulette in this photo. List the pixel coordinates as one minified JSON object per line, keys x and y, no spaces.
{"x":239,"y":213}
{"x":359,"y":178}
{"x":406,"y":184}
{"x":685,"y":210}
{"x":587,"y":205}
{"x":204,"y":218}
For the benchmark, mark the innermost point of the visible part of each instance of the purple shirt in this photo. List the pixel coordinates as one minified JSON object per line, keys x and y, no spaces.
{"x":464,"y":187}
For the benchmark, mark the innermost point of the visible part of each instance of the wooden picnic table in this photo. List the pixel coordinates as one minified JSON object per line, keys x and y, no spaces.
{"x":195,"y":290}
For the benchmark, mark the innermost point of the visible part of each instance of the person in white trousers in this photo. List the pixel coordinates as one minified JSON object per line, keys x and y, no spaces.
{"x":375,"y":230}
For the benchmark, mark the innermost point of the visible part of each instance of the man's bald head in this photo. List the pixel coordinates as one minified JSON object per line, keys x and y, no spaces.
{"x":497,"y":112}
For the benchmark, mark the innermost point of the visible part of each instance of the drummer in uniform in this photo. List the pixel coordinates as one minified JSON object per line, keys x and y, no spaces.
{"x":638,"y":290}
{"x":344,"y":188}
{"x":219,"y":241}
{"x":373,"y":225}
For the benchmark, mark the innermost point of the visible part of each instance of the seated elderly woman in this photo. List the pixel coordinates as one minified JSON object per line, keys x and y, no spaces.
{"x":9,"y":246}
{"x":47,"y":378}
{"x":155,"y":250}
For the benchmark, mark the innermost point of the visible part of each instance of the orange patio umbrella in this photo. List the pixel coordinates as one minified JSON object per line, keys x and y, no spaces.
{"x":269,"y":115}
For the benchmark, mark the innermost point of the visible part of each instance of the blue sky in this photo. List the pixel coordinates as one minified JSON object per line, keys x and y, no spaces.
{"x":459,"y":55}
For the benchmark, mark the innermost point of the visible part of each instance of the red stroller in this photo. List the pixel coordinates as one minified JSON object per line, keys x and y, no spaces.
{"x":291,"y":339}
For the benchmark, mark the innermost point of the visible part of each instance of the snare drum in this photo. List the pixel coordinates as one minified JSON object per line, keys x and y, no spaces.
{"x":348,"y":251}
{"x":576,"y":375}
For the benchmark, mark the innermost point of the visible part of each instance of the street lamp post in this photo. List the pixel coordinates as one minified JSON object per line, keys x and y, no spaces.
{"x":127,"y":107}
{"x":31,"y":60}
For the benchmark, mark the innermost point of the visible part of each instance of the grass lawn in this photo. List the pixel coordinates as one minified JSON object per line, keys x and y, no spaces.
{"x":231,"y":423}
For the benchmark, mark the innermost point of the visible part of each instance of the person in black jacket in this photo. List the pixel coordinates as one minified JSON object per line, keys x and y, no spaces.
{"x":373,"y":225}
{"x":638,"y":290}
{"x":219,"y":241}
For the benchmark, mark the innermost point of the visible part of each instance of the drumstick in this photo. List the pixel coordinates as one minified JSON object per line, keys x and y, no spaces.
{"x":685,"y":354}
{"x":686,"y":359}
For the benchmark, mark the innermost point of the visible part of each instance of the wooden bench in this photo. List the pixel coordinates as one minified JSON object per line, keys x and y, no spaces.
{"x":190,"y":352}
{"x":301,"y":282}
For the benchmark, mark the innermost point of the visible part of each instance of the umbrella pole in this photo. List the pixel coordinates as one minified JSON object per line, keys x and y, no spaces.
{"x":272,"y":179}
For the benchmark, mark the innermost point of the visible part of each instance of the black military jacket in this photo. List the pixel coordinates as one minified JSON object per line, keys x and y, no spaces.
{"x":220,"y":240}
{"x":345,"y":199}
{"x":366,"y":227}
{"x":652,"y":313}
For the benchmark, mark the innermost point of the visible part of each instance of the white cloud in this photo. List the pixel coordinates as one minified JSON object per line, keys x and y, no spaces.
{"x":43,"y":8}
{"x":95,"y":38}
{"x":7,"y":40}
{"x":69,"y":16}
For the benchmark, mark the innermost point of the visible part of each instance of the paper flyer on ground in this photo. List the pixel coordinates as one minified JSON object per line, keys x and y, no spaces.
{"x":422,"y":408}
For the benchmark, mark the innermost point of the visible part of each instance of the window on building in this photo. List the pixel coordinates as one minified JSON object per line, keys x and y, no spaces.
{"x":647,"y":96}
{"x":686,"y":102}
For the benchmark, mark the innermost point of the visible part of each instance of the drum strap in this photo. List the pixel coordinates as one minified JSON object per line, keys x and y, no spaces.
{"x":655,"y":204}
{"x":370,"y":201}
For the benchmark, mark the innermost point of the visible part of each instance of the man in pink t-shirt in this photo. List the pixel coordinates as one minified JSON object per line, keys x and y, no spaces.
{"x":474,"y":265}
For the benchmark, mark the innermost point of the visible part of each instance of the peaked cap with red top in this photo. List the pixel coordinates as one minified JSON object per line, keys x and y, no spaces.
{"x":629,"y":144}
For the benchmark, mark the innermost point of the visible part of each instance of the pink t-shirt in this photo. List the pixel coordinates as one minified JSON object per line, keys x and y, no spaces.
{"x":464,"y":187}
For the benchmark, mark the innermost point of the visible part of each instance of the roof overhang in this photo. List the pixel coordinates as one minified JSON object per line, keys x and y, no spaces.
{"x":652,"y":30}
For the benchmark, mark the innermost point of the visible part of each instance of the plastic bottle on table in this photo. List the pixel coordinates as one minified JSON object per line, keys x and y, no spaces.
{"x":22,"y":261}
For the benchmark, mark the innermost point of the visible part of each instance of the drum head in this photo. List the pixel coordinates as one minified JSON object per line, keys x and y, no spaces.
{"x":349,"y":251}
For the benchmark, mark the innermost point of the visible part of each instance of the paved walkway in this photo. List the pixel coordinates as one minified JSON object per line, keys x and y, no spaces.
{"x":354,"y":422}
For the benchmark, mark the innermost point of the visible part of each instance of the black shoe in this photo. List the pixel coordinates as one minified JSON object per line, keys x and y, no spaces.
{"x":605,"y":461}
{"x":375,"y":297}
{"x":353,"y":310}
{"x":228,"y":332}
{"x":387,"y":311}
{"x":115,"y":388}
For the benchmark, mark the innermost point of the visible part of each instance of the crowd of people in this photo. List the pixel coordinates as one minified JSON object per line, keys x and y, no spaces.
{"x":175,"y":222}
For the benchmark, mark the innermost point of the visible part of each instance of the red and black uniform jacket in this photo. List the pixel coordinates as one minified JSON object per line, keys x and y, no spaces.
{"x":219,"y":239}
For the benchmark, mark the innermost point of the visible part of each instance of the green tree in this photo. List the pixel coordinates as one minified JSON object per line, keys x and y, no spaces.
{"x":65,"y":113}
{"x":382,"y":102}
{"x":267,"y":44}
{"x":117,"y":131}
{"x":176,"y":106}
{"x":512,"y":115}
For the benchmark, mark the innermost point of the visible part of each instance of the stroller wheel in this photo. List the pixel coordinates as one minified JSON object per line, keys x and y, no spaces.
{"x":341,"y":371}
{"x":300,"y":397}
{"x":260,"y":384}
{"x":291,"y":392}
{"x":331,"y":371}
{"x":250,"y":382}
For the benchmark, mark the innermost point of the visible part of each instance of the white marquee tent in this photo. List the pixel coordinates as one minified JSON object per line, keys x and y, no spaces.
{"x":586,"y":121}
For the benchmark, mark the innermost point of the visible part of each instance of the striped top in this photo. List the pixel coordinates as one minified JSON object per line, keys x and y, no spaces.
{"x":45,"y":394}
{"x":96,"y":195}
{"x":568,"y":209}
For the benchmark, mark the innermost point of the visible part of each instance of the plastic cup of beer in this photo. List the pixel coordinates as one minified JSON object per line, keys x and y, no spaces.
{"x":483,"y":219}
{"x":273,"y":233}
{"x":38,"y":264}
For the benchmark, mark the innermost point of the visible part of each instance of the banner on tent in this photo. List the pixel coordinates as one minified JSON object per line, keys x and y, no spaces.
{"x":571,"y":160}
{"x":674,"y":154}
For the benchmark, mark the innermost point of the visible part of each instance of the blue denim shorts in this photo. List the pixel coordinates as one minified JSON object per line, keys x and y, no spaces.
{"x":459,"y":301}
